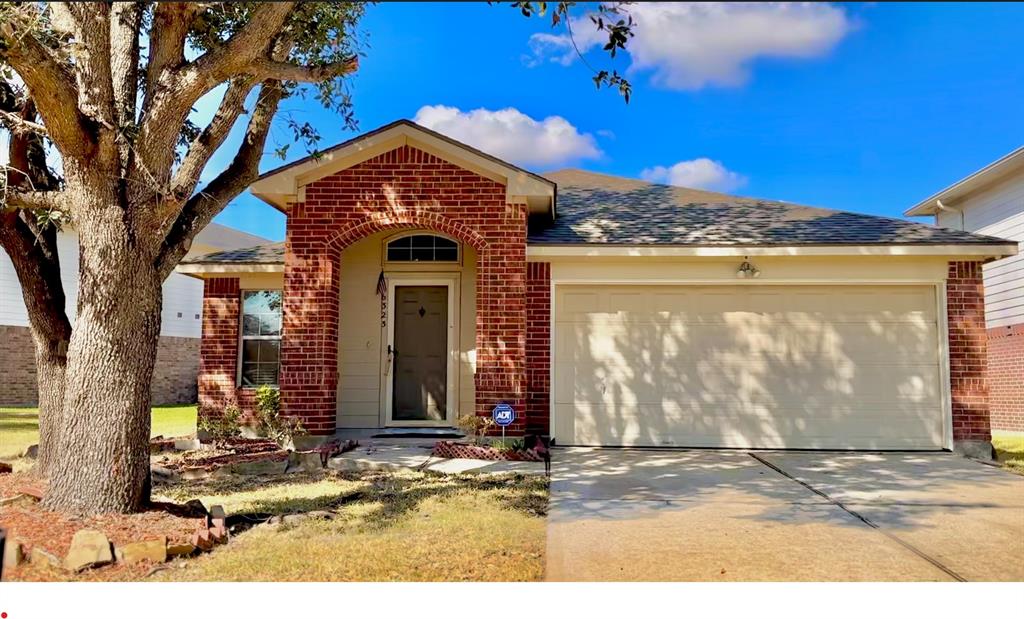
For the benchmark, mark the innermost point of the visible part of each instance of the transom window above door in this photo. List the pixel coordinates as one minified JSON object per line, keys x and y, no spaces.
{"x":422,"y":248}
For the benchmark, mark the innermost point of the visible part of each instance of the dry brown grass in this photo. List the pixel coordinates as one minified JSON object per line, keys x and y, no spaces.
{"x":404,"y":527}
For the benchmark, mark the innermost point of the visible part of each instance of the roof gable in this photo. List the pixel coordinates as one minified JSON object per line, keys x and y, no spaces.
{"x":285,"y":185}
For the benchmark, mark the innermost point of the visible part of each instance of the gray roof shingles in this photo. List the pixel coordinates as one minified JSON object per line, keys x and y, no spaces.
{"x":271,"y":253}
{"x":600,"y":209}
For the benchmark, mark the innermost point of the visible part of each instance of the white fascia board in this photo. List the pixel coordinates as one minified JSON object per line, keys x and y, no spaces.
{"x":994,"y":251}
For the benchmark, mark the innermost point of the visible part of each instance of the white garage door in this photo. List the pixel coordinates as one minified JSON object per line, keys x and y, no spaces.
{"x":826,"y":367}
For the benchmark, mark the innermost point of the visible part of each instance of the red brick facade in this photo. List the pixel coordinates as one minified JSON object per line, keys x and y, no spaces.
{"x":538,"y":347}
{"x":403,"y":188}
{"x":219,"y":349}
{"x":965,"y":307}
{"x":1006,"y":377}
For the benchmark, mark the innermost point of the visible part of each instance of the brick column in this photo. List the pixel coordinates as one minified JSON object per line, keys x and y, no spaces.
{"x":501,"y":320}
{"x":538,"y":347}
{"x":965,"y":307}
{"x":309,"y":344}
{"x":218,"y":351}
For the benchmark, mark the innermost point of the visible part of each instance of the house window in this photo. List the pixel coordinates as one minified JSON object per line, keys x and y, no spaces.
{"x":261,"y":337}
{"x":423,"y":248}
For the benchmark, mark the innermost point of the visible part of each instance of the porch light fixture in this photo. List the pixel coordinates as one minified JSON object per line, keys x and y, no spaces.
{"x":747,"y":270}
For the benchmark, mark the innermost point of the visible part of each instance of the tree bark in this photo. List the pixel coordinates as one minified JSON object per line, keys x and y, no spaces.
{"x":36,"y":262}
{"x":102,"y":463}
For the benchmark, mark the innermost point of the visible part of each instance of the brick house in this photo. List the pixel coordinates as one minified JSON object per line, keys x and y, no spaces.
{"x":991,"y":201}
{"x":422,"y":280}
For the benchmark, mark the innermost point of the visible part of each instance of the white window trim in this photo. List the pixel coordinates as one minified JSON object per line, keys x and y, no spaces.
{"x":242,"y":338}
{"x":406,"y":233}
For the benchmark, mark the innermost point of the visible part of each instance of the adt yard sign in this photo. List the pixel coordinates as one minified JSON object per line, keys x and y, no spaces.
{"x":503,"y":415}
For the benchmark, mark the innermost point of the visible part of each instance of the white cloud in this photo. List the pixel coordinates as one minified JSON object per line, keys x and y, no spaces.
{"x":512,"y":135}
{"x":690,"y":45}
{"x":702,"y":173}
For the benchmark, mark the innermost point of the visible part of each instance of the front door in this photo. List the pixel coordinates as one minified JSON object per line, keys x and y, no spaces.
{"x":420,"y":354}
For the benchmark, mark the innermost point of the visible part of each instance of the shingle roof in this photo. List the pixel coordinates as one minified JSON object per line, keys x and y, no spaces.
{"x":601,"y":209}
{"x":271,"y":253}
{"x":596,"y":208}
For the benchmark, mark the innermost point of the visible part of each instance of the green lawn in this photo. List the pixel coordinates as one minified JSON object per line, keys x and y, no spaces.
{"x":19,"y":427}
{"x":1009,"y":450}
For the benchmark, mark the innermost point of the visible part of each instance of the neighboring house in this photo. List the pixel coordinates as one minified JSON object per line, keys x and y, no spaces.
{"x":177,"y":363}
{"x":991,"y":201}
{"x":422,"y":279}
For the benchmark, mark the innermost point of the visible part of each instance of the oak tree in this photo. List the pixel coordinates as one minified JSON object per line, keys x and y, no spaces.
{"x":96,"y":101}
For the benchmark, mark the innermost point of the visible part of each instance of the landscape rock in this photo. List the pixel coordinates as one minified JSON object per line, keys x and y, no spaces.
{"x":293,"y":519}
{"x":187,"y":444}
{"x":309,"y":461}
{"x":38,"y":556}
{"x":19,"y":500}
{"x":89,"y":548}
{"x":32,"y":451}
{"x":14,"y":554}
{"x":153,"y":550}
{"x":164,"y":474}
{"x":196,"y":473}
{"x":6,"y":468}
{"x":260,"y":467}
{"x":180,"y":549}
{"x":202,"y":540}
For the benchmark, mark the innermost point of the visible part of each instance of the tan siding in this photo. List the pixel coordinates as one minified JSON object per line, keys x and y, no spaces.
{"x":360,"y":339}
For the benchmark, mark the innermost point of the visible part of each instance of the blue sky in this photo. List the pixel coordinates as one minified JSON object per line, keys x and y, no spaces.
{"x":856,"y":107}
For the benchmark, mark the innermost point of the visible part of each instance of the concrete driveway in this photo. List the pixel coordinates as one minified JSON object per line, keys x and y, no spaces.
{"x":700,"y":515}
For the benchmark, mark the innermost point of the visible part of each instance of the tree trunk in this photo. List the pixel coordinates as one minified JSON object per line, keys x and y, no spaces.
{"x":102,"y":463}
{"x":51,"y":363}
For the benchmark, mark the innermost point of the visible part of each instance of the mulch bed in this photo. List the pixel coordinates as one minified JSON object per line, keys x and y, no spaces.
{"x":231,"y":451}
{"x":451,"y":449}
{"x":33,"y":526}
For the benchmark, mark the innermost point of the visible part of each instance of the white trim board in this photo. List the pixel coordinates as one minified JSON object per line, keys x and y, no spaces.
{"x":640,"y":251}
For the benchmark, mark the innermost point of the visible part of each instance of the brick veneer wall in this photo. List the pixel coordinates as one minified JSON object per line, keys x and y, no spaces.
{"x":219,"y":350}
{"x":1006,"y":377}
{"x":17,"y":367}
{"x":174,"y":375}
{"x":965,"y":308}
{"x":402,"y":188}
{"x":538,"y":347}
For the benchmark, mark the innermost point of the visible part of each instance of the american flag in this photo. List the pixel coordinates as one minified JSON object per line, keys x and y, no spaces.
{"x":382,"y":292}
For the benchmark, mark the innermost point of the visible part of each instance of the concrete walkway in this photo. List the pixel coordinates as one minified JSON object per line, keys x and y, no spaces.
{"x":699,"y":515}
{"x":395,"y":455}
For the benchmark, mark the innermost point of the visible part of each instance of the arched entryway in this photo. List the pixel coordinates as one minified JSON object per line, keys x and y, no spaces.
{"x":352,"y":205}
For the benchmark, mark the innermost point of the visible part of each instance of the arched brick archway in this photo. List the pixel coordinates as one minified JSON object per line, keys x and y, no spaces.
{"x":403,"y":188}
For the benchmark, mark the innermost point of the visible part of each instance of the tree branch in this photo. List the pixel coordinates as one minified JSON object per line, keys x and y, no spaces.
{"x":16,"y":124}
{"x":50,"y":83}
{"x":171,"y":105}
{"x":243,"y":170}
{"x":125,"y":24}
{"x":171,"y":21}
{"x":289,"y":72}
{"x":206,"y":144}
{"x":31,"y":200}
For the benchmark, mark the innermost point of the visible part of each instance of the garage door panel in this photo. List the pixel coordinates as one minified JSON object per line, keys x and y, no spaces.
{"x":666,"y":425}
{"x":775,"y":366}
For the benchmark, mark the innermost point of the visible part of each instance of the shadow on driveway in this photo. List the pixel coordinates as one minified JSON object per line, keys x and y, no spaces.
{"x":634,"y":514}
